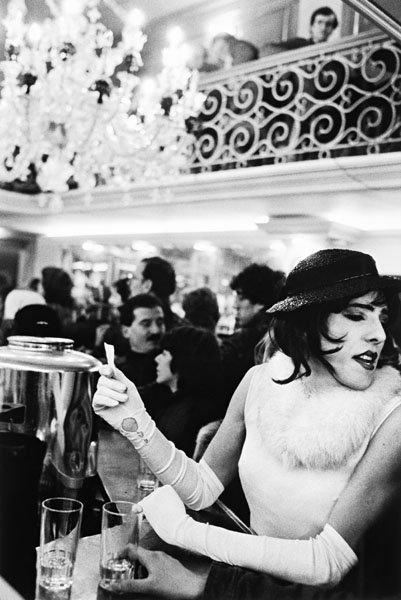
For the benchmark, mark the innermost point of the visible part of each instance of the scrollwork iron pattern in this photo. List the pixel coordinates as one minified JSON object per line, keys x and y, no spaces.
{"x":332,"y":104}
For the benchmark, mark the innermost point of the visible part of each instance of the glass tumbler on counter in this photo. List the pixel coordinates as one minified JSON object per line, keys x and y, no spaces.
{"x":120,"y":526}
{"x":59,"y":534}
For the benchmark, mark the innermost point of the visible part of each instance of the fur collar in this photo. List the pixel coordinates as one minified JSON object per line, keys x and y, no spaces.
{"x":316,"y":423}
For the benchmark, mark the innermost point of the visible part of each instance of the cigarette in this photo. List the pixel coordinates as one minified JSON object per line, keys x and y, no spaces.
{"x":109,"y":349}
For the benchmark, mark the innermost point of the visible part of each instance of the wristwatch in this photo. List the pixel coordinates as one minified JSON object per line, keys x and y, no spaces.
{"x":129,"y":425}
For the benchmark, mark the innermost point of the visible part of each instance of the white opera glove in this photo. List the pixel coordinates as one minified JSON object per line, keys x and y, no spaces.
{"x":116,"y":398}
{"x":165,"y":511}
{"x":324,"y":559}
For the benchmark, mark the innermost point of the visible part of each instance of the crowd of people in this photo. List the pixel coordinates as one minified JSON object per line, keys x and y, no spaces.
{"x":312,"y":431}
{"x":226,"y":50}
{"x":305,"y":396}
{"x":186,"y":371}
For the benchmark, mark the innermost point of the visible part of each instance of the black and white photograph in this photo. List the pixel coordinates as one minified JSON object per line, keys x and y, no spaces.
{"x":200,"y":299}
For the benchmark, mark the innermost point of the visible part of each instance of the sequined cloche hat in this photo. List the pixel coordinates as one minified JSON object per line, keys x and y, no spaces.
{"x":332,"y":274}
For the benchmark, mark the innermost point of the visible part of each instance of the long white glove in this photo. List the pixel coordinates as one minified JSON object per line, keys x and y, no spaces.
{"x":116,"y":399}
{"x":324,"y":559}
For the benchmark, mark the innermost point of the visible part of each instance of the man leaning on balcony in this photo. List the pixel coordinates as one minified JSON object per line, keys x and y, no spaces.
{"x":323,"y":23}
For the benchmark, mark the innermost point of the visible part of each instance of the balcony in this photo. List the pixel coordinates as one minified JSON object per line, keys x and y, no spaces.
{"x":322,"y":101}
{"x":310,"y":138}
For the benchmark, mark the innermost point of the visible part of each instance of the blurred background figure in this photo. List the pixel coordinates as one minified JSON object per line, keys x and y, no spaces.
{"x":110,"y":329}
{"x":17,"y":299}
{"x":4,"y":289}
{"x":14,"y":301}
{"x":157,"y":276}
{"x":57,"y":287}
{"x":201,"y":308}
{"x":199,"y":59}
{"x":257,"y":287}
{"x":323,"y":23}
{"x":187,"y":388}
{"x":226,"y":51}
{"x":37,"y":320}
{"x":36,"y":285}
{"x":122,"y":287}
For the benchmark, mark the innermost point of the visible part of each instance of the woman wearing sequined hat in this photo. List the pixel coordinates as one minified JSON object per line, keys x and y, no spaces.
{"x":314,"y":431}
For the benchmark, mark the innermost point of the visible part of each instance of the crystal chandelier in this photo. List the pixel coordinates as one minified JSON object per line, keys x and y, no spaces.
{"x":72,"y":112}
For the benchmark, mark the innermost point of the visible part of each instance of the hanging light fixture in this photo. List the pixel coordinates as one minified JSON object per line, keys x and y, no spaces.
{"x":78,"y":116}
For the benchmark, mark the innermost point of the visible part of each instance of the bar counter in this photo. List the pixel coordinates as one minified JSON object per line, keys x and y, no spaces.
{"x":117,"y":466}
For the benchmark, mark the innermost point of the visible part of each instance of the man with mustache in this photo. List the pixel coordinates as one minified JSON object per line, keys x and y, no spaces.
{"x":143,"y":324}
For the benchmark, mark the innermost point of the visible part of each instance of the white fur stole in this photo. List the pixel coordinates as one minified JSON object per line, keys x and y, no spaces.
{"x":318,"y":424}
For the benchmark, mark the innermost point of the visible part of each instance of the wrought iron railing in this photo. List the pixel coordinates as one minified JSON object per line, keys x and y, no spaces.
{"x":321,"y":101}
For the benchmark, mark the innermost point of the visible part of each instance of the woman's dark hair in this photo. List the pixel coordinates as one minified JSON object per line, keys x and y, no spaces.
{"x":298,"y":334}
{"x":259,"y":284}
{"x":201,"y":308}
{"x":196,"y":358}
{"x":162,"y":275}
{"x":57,"y":286}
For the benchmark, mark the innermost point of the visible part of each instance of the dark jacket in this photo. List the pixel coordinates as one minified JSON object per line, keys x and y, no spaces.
{"x":238,"y":351}
{"x":140,"y":368}
{"x":171,"y":319}
{"x":178,"y":415}
{"x":290,"y":44}
{"x":234,"y":583}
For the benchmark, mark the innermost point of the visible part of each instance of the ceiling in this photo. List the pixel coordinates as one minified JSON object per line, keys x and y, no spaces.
{"x":155,"y":9}
{"x":347,"y":198}
{"x":112,"y":11}
{"x":37,"y":10}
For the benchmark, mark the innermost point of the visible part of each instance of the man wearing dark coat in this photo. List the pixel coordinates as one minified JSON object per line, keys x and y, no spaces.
{"x":257,"y":287}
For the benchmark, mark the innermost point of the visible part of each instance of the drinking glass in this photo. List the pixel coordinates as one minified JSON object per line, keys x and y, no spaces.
{"x":147,"y":482}
{"x":120,"y":525}
{"x":59,"y":534}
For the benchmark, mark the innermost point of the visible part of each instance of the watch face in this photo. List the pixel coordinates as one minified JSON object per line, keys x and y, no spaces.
{"x":129,"y":424}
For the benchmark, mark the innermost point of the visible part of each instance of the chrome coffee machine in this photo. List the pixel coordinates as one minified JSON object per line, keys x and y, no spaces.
{"x":47,"y":442}
{"x":45,"y":391}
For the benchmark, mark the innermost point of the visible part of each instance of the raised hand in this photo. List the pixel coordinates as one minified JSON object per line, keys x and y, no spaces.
{"x":116,"y":397}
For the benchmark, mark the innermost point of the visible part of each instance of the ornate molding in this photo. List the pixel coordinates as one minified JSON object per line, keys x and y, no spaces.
{"x":355,"y":174}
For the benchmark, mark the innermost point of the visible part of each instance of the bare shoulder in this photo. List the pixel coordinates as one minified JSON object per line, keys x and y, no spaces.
{"x":383,"y":454}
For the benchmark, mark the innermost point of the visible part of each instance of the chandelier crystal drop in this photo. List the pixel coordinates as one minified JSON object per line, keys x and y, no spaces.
{"x":72,"y":111}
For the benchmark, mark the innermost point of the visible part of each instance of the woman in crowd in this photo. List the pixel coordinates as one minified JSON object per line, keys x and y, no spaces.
{"x":201,"y":308}
{"x":57,"y":287}
{"x":314,"y":432}
{"x":183,"y":398}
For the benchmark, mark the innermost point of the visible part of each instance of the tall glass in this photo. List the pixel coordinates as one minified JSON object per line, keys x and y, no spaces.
{"x":147,"y":482}
{"x":59,"y":534}
{"x":120,"y":526}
